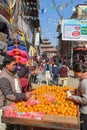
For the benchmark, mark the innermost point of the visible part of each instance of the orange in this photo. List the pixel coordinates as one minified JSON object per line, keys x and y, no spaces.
{"x":60,"y":106}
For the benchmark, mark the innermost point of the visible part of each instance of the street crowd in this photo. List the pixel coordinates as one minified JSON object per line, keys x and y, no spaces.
{"x":16,"y":78}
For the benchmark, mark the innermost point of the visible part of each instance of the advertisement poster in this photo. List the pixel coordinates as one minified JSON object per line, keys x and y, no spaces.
{"x":74,"y":30}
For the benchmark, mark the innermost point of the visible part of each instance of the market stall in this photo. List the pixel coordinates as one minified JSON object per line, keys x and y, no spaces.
{"x":50,"y":110}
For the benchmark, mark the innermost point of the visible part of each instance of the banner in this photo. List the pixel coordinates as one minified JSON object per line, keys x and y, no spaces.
{"x":37,"y":39}
{"x":74,"y":30}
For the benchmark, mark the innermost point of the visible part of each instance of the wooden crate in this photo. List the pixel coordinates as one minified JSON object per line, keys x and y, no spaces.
{"x":49,"y":122}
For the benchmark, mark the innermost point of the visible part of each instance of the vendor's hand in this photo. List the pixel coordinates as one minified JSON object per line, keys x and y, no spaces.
{"x":33,"y":97}
{"x":69,"y":95}
{"x":28,"y":95}
{"x":73,"y":92}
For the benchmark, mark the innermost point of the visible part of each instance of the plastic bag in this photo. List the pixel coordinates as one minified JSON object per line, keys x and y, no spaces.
{"x":32,"y":102}
{"x":49,"y":97}
{"x":10,"y":110}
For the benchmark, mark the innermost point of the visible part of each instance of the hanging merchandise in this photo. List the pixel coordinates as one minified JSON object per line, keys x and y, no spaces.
{"x":4,"y":2}
{"x":20,"y":55}
{"x":32,"y":51}
{"x":21,"y":36}
{"x":12,"y":4}
{"x":5,"y":12}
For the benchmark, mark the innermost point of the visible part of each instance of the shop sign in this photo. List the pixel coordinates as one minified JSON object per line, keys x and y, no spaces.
{"x":74,"y":30}
{"x":37,"y":39}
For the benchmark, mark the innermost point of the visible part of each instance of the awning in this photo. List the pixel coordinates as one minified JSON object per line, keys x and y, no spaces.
{"x":80,"y":48}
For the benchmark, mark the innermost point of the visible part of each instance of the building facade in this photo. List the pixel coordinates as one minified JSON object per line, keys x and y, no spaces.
{"x":66,"y":48}
{"x":26,"y":19}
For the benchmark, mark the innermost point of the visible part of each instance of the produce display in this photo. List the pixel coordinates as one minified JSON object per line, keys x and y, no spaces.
{"x":49,"y":100}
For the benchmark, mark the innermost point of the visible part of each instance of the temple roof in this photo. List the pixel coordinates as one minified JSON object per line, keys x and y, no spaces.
{"x":46,"y":46}
{"x":49,"y":50}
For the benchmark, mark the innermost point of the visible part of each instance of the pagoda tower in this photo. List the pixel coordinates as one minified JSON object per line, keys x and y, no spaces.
{"x":47,"y":48}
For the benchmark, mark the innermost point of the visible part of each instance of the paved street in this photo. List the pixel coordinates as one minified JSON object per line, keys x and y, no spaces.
{"x":71,"y":81}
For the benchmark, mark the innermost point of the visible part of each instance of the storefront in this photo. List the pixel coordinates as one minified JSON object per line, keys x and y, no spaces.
{"x":80,"y":53}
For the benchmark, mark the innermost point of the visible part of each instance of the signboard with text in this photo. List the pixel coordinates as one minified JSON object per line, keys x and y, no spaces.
{"x":74,"y":30}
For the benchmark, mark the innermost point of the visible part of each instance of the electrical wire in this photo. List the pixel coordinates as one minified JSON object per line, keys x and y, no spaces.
{"x":53,"y":1}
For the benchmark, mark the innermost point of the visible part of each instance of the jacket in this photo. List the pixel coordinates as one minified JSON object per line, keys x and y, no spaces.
{"x":63,"y":72}
{"x":8,"y":92}
{"x":81,"y":94}
{"x":55,"y":70}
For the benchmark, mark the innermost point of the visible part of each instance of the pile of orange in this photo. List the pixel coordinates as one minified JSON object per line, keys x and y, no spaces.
{"x":60,"y":106}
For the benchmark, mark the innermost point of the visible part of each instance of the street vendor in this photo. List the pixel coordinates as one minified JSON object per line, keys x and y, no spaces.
{"x":80,"y":94}
{"x":10,"y":88}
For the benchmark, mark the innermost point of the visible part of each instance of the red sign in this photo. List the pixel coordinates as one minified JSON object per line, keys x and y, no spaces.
{"x":76,"y":33}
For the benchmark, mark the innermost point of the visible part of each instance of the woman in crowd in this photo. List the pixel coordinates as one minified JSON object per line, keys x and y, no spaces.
{"x":39,"y":73}
{"x":47,"y":72}
{"x":55,"y":73}
{"x":64,"y":70}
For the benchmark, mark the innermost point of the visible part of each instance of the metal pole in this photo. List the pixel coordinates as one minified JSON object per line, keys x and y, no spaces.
{"x":57,"y":10}
{"x":72,"y":54}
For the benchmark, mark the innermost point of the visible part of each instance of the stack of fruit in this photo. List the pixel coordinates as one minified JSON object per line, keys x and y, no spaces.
{"x":49,"y":100}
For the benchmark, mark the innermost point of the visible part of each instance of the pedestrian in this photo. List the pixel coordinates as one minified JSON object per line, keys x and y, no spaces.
{"x":80,"y":94}
{"x":35,"y":63}
{"x":44,"y":66}
{"x":10,"y":87}
{"x":64,"y":73}
{"x":39,"y":73}
{"x":60,"y":63}
{"x":47,"y":73}
{"x":55,"y":73}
